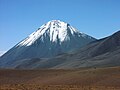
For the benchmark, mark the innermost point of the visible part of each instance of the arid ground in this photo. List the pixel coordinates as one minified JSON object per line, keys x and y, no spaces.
{"x":76,"y":79}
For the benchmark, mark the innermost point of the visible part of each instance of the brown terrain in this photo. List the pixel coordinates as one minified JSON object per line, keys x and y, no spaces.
{"x":51,"y":79}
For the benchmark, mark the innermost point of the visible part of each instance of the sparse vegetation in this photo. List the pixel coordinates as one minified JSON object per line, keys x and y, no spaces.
{"x":79,"y":79}
{"x":54,"y":87}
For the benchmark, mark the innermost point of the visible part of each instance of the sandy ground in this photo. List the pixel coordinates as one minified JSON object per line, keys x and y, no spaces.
{"x":76,"y":79}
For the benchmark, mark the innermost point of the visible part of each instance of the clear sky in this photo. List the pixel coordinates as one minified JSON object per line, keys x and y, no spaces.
{"x":19,"y":18}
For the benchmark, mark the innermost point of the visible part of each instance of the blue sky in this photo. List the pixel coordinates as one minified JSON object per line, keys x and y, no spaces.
{"x":19,"y":18}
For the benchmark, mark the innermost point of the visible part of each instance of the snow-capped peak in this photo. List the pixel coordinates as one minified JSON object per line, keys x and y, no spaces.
{"x":55,"y":29}
{"x":51,"y":39}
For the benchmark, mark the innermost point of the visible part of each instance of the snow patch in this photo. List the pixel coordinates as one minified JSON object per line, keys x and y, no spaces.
{"x":2,"y":52}
{"x":55,"y":29}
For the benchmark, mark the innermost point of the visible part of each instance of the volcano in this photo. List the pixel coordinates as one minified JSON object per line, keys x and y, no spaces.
{"x":51,"y":39}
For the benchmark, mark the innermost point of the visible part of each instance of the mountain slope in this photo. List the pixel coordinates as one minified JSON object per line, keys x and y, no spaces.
{"x":101,"y":53}
{"x":51,"y":39}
